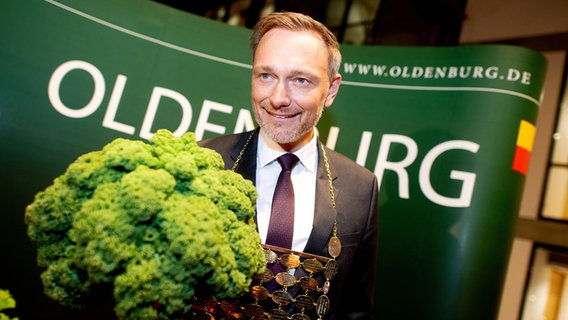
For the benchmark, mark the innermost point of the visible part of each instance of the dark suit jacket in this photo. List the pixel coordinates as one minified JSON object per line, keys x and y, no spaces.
{"x":352,"y":289}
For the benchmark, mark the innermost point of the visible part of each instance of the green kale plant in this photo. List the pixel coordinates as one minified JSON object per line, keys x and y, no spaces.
{"x":6,"y":302}
{"x":158,"y":223}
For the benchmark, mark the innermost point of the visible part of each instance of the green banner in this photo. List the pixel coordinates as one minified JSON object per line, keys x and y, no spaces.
{"x":448,"y":132}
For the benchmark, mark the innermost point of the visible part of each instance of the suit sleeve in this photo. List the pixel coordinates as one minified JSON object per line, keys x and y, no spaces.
{"x":358,"y":295}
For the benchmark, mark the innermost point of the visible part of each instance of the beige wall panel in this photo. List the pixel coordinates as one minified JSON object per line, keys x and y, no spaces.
{"x":490,"y":20}
{"x":515,"y":280}
{"x":546,"y":122}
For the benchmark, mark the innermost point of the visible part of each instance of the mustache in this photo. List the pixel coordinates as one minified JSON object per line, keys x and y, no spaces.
{"x":286,"y":111}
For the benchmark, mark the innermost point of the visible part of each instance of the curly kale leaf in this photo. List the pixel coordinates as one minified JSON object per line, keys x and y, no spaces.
{"x":159,"y":222}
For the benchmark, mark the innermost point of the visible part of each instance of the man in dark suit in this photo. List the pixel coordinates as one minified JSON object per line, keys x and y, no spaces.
{"x":295,"y":76}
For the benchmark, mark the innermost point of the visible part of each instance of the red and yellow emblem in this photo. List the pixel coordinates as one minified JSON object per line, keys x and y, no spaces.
{"x":525,"y":140}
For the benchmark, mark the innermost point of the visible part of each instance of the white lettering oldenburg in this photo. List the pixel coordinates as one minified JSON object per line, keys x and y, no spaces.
{"x":244,"y":120}
{"x":399,"y":167}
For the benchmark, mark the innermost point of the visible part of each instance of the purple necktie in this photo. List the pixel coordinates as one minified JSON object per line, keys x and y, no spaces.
{"x":281,"y":227}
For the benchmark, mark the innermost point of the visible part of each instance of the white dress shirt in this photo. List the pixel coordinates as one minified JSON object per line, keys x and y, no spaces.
{"x":303,"y":180}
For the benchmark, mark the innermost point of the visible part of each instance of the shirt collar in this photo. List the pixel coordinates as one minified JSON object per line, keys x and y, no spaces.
{"x":269,"y":150}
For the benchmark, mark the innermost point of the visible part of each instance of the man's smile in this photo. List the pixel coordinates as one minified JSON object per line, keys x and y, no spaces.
{"x":282,"y":116}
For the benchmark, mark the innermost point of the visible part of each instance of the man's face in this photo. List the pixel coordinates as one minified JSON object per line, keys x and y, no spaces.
{"x":291,"y":86}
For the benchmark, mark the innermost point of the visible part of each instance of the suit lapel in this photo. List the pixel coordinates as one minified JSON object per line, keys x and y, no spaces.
{"x":325,"y":214}
{"x":324,"y":217}
{"x":247,"y":163}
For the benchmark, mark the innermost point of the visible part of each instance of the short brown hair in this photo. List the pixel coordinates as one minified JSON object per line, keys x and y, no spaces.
{"x":298,"y":22}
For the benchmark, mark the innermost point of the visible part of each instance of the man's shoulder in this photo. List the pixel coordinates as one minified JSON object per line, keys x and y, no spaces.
{"x":225,"y":141}
{"x":345,"y":165}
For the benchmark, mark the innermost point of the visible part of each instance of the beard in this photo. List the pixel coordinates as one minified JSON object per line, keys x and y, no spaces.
{"x":287,"y":134}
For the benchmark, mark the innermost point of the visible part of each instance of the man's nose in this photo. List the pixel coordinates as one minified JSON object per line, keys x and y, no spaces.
{"x":280,"y":95}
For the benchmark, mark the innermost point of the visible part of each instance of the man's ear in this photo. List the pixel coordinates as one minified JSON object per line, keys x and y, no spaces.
{"x":333,"y":89}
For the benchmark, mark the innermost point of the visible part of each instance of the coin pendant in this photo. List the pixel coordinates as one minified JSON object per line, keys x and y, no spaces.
{"x":270,"y":256}
{"x":334,"y":247}
{"x":300,"y":316}
{"x":265,"y":276}
{"x":285,"y":279}
{"x":308,"y":284}
{"x":229,"y":306}
{"x":322,"y":305}
{"x":305,"y":302}
{"x":259,"y":292}
{"x":277,"y":314}
{"x":254,"y":310}
{"x":331,"y":269}
{"x":281,"y":297}
{"x":312,"y":265}
{"x":290,"y":261}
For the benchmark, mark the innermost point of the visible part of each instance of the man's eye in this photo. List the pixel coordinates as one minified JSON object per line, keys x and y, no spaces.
{"x":302,"y":80}
{"x":264,"y":76}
